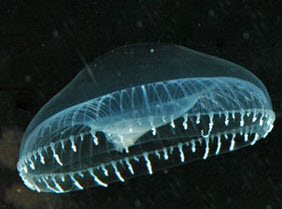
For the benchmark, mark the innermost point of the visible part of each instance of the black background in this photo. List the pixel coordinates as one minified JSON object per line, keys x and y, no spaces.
{"x":44,"y":44}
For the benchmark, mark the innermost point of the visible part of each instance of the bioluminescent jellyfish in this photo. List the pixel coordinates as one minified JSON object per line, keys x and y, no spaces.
{"x":139,"y":109}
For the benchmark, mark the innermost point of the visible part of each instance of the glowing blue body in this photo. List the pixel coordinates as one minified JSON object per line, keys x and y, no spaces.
{"x":191,"y":112}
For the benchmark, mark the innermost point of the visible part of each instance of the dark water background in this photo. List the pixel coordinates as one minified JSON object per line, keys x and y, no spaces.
{"x":43,"y":45}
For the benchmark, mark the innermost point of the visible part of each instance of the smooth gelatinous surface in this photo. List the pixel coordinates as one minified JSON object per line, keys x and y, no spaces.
{"x":142,"y":108}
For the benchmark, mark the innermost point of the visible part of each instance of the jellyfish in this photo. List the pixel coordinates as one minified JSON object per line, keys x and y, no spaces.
{"x":139,"y":109}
